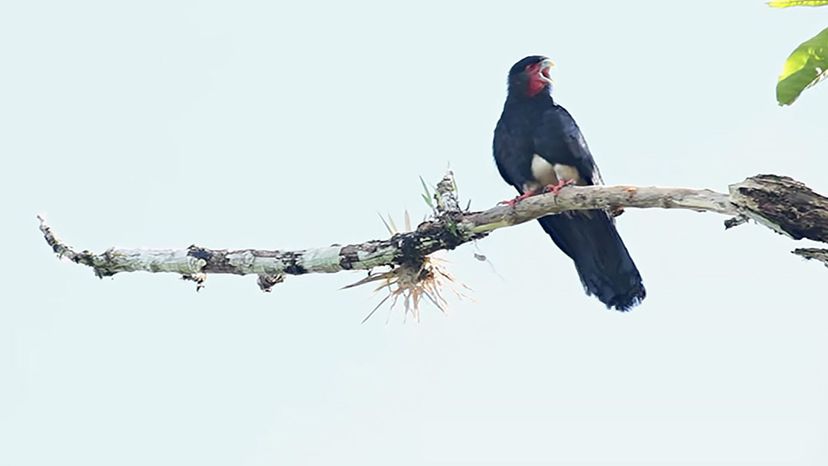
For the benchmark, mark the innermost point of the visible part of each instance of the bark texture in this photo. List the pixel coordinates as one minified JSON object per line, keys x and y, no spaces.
{"x":784,"y":204}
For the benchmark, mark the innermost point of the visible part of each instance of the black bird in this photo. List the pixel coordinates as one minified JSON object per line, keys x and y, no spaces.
{"x":538,"y":147}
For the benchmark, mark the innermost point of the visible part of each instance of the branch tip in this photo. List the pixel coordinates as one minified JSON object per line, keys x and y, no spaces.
{"x":735,"y":221}
{"x":816,"y":254}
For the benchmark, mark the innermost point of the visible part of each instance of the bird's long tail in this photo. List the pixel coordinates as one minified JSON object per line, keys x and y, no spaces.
{"x":604,"y":265}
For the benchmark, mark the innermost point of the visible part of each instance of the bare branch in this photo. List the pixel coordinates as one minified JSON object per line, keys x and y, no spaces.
{"x":780,"y":203}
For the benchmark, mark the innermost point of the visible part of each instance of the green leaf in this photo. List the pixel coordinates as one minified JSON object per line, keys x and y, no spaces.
{"x":451,"y":226}
{"x":427,"y":194}
{"x":425,"y":186}
{"x":428,"y":201}
{"x":789,"y":3}
{"x":806,"y":66}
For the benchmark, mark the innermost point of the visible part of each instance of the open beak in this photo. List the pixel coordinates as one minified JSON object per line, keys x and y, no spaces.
{"x":545,"y":66}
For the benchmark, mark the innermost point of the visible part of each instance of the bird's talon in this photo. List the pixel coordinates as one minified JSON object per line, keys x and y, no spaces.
{"x":512,"y":202}
{"x":556,"y":188}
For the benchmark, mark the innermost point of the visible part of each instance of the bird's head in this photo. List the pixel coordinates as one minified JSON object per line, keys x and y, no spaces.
{"x":530,"y":76}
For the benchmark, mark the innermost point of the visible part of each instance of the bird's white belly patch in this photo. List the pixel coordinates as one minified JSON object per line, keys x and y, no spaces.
{"x":542,"y":171}
{"x":546,"y":173}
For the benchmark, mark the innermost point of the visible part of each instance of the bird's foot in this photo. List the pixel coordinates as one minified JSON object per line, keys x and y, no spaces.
{"x":556,"y":188}
{"x":512,"y":202}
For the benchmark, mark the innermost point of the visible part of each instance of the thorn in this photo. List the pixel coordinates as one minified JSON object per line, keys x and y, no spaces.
{"x":387,"y":227}
{"x":375,"y":309}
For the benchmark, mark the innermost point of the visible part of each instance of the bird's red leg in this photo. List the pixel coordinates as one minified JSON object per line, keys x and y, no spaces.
{"x":512,"y":202}
{"x":556,"y":188}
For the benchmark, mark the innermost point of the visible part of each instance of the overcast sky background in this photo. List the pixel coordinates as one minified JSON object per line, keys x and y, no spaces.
{"x":290,"y":125}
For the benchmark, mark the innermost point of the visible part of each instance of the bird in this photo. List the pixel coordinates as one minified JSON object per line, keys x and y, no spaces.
{"x":539,"y":148}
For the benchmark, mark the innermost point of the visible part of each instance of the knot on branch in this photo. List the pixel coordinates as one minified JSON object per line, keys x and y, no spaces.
{"x":198,"y":278}
{"x":266,"y":282}
{"x":446,"y":195}
{"x":784,"y":205}
{"x":200,"y":253}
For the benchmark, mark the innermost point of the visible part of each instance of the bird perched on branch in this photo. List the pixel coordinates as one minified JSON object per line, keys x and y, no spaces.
{"x":539,"y":148}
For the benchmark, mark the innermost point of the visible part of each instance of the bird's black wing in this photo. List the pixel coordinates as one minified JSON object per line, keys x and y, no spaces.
{"x":559,"y":140}
{"x":513,"y":151}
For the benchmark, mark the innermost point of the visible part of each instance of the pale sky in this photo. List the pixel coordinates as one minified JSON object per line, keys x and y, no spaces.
{"x":287,"y":125}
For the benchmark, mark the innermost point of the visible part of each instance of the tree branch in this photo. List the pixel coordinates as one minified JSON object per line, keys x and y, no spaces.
{"x":780,"y":203}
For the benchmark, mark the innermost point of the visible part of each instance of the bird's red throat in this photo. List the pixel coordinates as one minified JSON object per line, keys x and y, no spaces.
{"x":538,"y":79}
